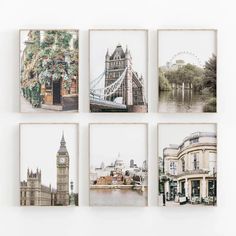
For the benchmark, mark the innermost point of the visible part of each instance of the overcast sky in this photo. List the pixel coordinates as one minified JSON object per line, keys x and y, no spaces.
{"x":201,"y":43}
{"x":107,"y":141}
{"x":175,"y":133}
{"x":39,"y":146}
{"x":101,"y":40}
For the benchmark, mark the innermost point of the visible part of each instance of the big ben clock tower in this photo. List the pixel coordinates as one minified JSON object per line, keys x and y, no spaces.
{"x":63,"y":162}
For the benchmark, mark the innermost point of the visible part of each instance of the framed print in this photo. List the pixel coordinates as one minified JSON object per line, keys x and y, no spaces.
{"x":118,"y":70}
{"x":118,"y":165}
{"x":49,"y":70}
{"x":187,"y":69}
{"x":187,"y":155}
{"x":49,"y":164}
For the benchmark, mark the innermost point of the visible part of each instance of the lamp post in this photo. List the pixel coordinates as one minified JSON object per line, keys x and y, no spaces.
{"x":163,"y":179}
{"x":214,"y":186}
{"x":72,"y":197}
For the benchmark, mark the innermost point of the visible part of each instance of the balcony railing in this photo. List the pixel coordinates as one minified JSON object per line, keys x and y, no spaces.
{"x":188,"y":172}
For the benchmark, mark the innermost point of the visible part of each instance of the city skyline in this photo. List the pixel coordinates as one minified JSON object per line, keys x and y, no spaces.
{"x":130,"y":140}
{"x":126,"y":163}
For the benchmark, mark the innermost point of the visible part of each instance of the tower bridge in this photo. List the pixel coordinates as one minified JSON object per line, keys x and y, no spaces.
{"x":123,"y":89}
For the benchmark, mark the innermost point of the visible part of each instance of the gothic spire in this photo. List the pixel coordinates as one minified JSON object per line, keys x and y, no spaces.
{"x":63,"y":144}
{"x":107,"y":54}
{"x":126,"y":50}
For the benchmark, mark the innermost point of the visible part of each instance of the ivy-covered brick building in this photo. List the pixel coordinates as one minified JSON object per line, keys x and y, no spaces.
{"x":49,"y":69}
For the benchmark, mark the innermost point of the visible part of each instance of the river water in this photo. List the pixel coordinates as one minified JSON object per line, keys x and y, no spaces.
{"x":179,"y":100}
{"x":117,"y":197}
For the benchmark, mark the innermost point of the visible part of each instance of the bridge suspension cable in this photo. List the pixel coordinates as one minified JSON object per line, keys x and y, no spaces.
{"x":97,"y":80}
{"x":110,"y":89}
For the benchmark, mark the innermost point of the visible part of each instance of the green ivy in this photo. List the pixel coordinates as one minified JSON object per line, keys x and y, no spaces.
{"x":48,"y":60}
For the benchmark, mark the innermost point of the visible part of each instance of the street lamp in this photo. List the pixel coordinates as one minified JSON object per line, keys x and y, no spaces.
{"x":164,"y":179}
{"x":72,"y":197}
{"x":214,"y":186}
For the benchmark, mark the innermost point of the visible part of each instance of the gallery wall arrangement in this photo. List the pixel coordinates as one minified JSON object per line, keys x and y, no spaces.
{"x":118,"y":83}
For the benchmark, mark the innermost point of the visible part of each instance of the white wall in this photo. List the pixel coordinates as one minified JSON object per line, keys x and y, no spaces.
{"x":86,"y":14}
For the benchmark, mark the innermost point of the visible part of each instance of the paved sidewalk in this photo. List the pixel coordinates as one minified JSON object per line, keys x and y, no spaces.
{"x":27,"y":107}
{"x":176,"y":204}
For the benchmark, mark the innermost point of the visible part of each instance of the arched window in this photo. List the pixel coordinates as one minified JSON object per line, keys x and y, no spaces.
{"x":117,"y":57}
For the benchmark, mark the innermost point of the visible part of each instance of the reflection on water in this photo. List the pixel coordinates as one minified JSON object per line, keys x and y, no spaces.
{"x":178,"y":100}
{"x":117,"y":197}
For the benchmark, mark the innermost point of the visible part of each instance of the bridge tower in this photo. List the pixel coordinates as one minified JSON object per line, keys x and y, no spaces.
{"x":129,"y":78}
{"x":114,"y":67}
{"x":122,"y":82}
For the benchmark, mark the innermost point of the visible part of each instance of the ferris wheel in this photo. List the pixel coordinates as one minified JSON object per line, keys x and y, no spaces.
{"x":196,"y":60}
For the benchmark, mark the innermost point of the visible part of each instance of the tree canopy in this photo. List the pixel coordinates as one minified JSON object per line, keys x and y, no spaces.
{"x":49,"y":57}
{"x":210,"y":71}
{"x":184,"y":74}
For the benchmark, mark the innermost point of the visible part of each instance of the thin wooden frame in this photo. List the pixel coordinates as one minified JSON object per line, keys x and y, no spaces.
{"x":158,"y":56}
{"x":158,"y":154}
{"x":147,"y":158}
{"x":147,"y":64}
{"x":77,"y":156}
{"x":78,"y":80}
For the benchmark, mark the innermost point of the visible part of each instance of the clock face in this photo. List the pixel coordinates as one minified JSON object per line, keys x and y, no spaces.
{"x":62,"y":160}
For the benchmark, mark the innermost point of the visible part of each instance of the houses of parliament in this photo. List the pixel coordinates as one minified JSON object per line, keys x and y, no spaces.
{"x":34,"y":193}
